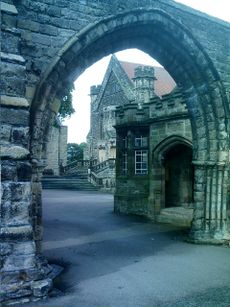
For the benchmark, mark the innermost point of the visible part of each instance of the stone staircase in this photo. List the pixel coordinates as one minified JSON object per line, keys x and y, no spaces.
{"x":76,"y":183}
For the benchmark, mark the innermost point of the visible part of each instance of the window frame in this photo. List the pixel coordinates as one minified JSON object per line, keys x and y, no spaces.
{"x":141,"y":170}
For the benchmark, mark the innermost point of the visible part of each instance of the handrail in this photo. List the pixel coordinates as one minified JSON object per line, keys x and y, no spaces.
{"x":79,"y":164}
{"x":94,"y":179}
{"x":110,"y":163}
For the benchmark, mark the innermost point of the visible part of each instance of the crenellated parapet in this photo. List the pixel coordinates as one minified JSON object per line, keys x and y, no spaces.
{"x":170,"y":105}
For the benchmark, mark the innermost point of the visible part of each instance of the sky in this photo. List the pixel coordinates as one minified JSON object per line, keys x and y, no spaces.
{"x":79,"y":123}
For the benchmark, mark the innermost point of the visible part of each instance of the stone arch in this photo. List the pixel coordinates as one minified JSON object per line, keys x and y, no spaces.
{"x":159,"y":34}
{"x":165,"y":145}
{"x":157,"y":185}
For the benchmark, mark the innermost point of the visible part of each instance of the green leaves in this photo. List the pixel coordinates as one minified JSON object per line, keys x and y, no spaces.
{"x":66,"y":108}
{"x":75,"y":151}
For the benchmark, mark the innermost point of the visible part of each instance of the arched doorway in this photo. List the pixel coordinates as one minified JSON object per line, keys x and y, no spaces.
{"x":179,"y":177}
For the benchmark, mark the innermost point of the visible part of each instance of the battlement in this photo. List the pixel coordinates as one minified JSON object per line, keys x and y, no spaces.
{"x":155,"y":109}
{"x":144,"y":72}
{"x":170,"y":105}
{"x":95,"y":89}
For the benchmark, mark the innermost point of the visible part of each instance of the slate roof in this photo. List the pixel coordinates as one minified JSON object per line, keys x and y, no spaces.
{"x":164,"y":83}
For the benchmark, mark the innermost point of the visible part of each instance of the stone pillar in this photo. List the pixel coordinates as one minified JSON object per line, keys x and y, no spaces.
{"x":19,"y":265}
{"x":36,"y":209}
{"x":94,"y":121}
{"x":210,"y":202}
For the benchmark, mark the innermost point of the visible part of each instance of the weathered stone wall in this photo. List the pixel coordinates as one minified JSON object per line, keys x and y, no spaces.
{"x":63,"y":137}
{"x":167,"y":121}
{"x":104,"y":100}
{"x":56,"y":154}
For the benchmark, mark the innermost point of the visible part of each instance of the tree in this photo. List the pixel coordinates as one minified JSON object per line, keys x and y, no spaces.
{"x":75,"y":151}
{"x":66,"y":108}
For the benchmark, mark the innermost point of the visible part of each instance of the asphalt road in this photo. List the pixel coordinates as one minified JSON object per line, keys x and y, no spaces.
{"x":126,"y":261}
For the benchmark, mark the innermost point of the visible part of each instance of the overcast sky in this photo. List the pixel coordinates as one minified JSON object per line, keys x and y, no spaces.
{"x":78,"y":124}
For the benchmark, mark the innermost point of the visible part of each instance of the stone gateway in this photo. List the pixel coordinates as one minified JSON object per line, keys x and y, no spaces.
{"x":46,"y":45}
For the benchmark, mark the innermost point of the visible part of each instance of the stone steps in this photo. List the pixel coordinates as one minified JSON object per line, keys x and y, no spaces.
{"x":67,"y":183}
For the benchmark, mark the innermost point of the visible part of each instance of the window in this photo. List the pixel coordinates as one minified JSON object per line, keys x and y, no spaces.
{"x":141,"y":162}
{"x":124,"y":163}
{"x":141,"y":141}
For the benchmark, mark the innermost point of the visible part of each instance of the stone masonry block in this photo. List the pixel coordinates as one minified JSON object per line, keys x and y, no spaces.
{"x":16,"y":191}
{"x":50,"y":30}
{"x":19,"y":262}
{"x":14,"y":116}
{"x":42,"y":39}
{"x":54,"y":11}
{"x":21,"y":191}
{"x":8,"y":8}
{"x":5,"y":191}
{"x":24,"y":171}
{"x":12,"y":42}
{"x":16,"y":233}
{"x":29,"y":25}
{"x":6,"y":249}
{"x":5,"y":131}
{"x":8,"y":21}
{"x":14,"y":101}
{"x":13,"y":152}
{"x":15,"y":213}
{"x":14,"y":58}
{"x":41,"y":287}
{"x":8,"y":171}
{"x":20,"y":135}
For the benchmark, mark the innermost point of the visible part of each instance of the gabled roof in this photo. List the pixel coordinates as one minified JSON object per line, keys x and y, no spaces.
{"x":123,"y":79}
{"x":124,"y":71}
{"x":164,"y":83}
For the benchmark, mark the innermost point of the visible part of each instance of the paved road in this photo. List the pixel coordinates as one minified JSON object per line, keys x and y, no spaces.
{"x":121,"y":261}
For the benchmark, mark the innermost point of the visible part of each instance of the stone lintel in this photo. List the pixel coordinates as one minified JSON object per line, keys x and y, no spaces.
{"x":14,"y":101}
{"x":14,"y":152}
{"x":10,"y":57}
{"x":8,"y":8}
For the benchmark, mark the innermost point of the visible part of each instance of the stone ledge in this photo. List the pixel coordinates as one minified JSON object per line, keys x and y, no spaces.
{"x":10,"y":57}
{"x":14,"y":101}
{"x":13,"y":152}
{"x":8,"y":8}
{"x":17,"y":232}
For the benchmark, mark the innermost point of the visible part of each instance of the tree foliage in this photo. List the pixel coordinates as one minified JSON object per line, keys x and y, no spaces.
{"x":66,"y":108}
{"x":75,"y":151}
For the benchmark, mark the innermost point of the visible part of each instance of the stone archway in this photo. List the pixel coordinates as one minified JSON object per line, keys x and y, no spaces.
{"x":163,"y":31}
{"x":155,"y":32}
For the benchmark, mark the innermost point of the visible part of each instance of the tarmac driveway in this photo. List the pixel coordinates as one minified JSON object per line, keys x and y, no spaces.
{"x":126,"y":261}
